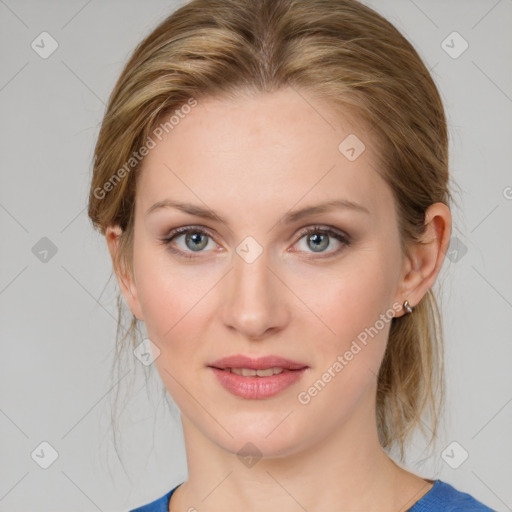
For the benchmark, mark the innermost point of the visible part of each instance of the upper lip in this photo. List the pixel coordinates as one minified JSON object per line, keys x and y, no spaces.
{"x":260,"y":363}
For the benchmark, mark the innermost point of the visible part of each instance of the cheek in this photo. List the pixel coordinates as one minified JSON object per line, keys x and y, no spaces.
{"x":347,"y":297}
{"x":173,"y":304}
{"x":353,"y":306}
{"x":170,"y":297}
{"x":347,"y":362}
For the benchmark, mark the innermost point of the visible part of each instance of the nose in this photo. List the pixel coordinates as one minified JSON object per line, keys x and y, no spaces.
{"x":255,"y":302}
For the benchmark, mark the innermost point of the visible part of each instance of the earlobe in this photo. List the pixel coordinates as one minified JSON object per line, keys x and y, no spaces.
{"x":124,"y":278}
{"x":426,"y":256}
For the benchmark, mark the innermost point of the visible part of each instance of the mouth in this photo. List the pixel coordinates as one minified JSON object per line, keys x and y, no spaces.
{"x":251,"y":372}
{"x":257,"y":378}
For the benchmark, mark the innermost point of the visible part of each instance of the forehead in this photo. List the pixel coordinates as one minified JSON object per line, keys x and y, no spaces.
{"x":269,"y":149}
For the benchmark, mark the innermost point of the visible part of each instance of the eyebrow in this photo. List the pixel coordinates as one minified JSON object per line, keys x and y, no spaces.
{"x":289,"y":218}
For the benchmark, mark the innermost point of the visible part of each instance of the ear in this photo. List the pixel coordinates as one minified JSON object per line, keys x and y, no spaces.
{"x":124,"y":278}
{"x":426,"y":256}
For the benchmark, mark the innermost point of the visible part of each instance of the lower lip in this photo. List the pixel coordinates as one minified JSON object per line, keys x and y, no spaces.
{"x":257,"y":387}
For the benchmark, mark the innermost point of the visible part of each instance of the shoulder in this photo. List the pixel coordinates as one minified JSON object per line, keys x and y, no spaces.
{"x":159,"y":505}
{"x":444,"y":497}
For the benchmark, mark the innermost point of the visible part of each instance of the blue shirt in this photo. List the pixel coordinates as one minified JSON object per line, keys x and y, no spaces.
{"x":441,"y":498}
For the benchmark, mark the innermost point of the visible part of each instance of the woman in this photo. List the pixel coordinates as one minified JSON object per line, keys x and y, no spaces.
{"x":272,"y":180}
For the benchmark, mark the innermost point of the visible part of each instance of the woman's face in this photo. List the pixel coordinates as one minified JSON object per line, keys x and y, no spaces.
{"x":255,"y":284}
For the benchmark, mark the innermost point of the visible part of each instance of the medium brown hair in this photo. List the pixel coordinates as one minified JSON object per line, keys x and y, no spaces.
{"x":340,"y":51}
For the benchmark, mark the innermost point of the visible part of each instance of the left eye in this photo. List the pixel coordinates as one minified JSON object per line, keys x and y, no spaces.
{"x":318,"y":239}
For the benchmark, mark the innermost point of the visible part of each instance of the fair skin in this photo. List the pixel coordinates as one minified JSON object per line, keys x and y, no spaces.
{"x":252,"y":161}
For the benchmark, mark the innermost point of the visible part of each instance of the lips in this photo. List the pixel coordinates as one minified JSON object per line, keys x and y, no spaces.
{"x":237,"y":375}
{"x":260,"y":363}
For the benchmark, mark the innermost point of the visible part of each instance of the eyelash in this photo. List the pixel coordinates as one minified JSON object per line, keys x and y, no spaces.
{"x":344,"y":239}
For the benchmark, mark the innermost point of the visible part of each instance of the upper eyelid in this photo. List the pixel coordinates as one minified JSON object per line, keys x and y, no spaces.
{"x":184,"y":229}
{"x":320,"y":227}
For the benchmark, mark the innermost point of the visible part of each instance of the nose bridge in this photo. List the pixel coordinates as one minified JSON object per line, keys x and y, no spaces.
{"x":254,"y":301}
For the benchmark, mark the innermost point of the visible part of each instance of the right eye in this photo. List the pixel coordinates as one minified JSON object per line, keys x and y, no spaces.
{"x":194,"y":239}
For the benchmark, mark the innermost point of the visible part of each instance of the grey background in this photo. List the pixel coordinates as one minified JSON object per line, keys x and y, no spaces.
{"x":58,"y":312}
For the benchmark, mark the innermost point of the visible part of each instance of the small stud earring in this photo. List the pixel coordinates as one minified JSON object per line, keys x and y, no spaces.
{"x":407,"y":307}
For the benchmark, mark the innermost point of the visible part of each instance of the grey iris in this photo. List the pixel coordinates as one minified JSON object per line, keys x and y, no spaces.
{"x":323,"y":244}
{"x":196,"y":238}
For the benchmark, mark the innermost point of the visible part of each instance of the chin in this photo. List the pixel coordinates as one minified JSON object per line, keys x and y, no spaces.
{"x":259,"y":439}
